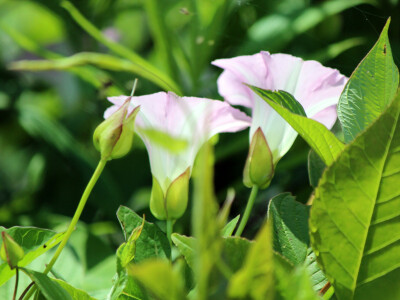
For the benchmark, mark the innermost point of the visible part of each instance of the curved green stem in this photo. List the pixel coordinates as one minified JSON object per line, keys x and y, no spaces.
{"x":74,"y":220}
{"x":247,"y":211}
{"x":170,"y":226}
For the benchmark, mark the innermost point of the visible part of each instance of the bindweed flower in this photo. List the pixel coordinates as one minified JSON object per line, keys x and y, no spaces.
{"x":114,"y":136}
{"x":173,"y":129}
{"x":316,"y":87}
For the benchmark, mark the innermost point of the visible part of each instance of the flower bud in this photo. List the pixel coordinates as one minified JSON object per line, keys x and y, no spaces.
{"x":114,"y":136}
{"x":259,"y":167}
{"x":172,"y":204}
{"x":10,"y":251}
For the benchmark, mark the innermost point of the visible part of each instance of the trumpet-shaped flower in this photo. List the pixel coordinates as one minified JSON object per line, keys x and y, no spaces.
{"x":173,"y":129}
{"x":316,"y":87}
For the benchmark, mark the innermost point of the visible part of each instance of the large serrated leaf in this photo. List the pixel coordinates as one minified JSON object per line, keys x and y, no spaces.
{"x":320,"y":139}
{"x":370,"y":88}
{"x":34,"y":242}
{"x":355,"y":217}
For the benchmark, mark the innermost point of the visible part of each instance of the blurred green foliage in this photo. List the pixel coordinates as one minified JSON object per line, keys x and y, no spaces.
{"x":93,"y":49}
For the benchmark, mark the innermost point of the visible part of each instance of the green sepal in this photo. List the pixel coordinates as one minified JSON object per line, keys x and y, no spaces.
{"x":10,"y":251}
{"x":259,"y":167}
{"x":171,"y":205}
{"x":114,"y":136}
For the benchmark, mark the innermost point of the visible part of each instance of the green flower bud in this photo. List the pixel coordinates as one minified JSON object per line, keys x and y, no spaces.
{"x":172,"y":204}
{"x":114,"y":136}
{"x":259,"y":167}
{"x":10,"y":251}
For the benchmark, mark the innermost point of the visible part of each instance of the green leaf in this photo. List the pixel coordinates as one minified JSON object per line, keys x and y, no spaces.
{"x":90,"y":74}
{"x":34,"y":242}
{"x":291,"y":238}
{"x":370,"y":88}
{"x":159,"y":278}
{"x":320,"y":139}
{"x":295,"y":285}
{"x":230,"y":227}
{"x":205,"y":223}
{"x":279,"y":28}
{"x":152,"y":242}
{"x":316,"y":168}
{"x":73,"y":292}
{"x":290,"y":227}
{"x":52,"y":290}
{"x":233,"y":250}
{"x":255,"y":279}
{"x":354,"y":221}
{"x":143,"y":67}
{"x":186,"y":246}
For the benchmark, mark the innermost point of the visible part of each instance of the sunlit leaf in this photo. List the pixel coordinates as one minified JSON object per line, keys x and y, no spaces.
{"x":370,"y":88}
{"x":354,"y":221}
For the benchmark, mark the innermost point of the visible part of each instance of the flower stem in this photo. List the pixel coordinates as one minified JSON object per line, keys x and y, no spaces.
{"x":74,"y":220}
{"x":170,"y":225}
{"x":247,"y":211}
{"x":16,"y":283}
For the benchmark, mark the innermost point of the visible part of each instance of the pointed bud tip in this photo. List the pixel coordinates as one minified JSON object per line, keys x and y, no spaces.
{"x":259,"y":167}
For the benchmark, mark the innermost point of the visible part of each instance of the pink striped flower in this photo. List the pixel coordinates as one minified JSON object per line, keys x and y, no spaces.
{"x":316,"y":87}
{"x":186,"y":121}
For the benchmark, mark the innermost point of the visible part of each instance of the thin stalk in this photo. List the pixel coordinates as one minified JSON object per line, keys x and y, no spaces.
{"x":26,"y":290}
{"x":247,"y":211}
{"x":170,"y":226}
{"x":74,"y":220}
{"x":16,"y":283}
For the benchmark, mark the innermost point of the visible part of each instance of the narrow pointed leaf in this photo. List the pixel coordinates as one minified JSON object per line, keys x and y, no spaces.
{"x":50,"y":289}
{"x":144,"y":68}
{"x":320,"y":139}
{"x":255,"y":279}
{"x":354,"y":220}
{"x":370,"y":88}
{"x":73,"y":292}
{"x":230,"y":227}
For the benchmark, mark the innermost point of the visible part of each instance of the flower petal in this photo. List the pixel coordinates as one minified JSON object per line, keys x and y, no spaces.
{"x":237,"y":71}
